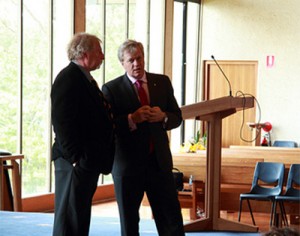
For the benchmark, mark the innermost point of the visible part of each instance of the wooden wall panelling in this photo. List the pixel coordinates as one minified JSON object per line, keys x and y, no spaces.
{"x":242,"y":76}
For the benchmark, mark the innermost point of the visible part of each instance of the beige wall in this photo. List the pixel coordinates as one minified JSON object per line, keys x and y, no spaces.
{"x":252,"y":30}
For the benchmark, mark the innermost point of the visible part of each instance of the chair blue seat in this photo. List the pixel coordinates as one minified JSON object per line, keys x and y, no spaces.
{"x":283,"y":143}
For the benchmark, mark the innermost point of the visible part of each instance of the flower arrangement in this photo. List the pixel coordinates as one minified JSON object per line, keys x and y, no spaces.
{"x":194,"y":144}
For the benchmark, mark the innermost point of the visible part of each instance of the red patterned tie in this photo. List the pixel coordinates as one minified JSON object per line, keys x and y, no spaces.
{"x":142,"y":93}
{"x":144,"y":101}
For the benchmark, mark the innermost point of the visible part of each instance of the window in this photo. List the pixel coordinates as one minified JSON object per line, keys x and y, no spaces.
{"x":115,"y":21}
{"x":34,"y":36}
{"x":9,"y":86}
{"x":186,"y":64}
{"x":31,"y":53}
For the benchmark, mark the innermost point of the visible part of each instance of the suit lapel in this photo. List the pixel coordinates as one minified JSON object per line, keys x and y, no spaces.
{"x":130,"y":90}
{"x":91,"y":90}
{"x":152,"y":88}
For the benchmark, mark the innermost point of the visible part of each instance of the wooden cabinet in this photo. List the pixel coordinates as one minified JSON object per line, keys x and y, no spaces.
{"x":242,"y":76}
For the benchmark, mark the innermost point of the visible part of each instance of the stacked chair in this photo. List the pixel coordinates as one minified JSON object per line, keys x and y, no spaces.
{"x":267,"y":183}
{"x":284,"y":143}
{"x":291,"y":194}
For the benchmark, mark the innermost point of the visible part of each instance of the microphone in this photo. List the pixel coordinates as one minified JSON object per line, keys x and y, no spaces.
{"x":230,"y":91}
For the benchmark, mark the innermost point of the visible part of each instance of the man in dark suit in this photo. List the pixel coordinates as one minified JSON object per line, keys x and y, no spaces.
{"x":83,"y":127}
{"x":143,"y":161}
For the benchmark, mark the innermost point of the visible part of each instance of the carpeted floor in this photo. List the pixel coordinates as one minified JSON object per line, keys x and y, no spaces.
{"x":40,"y":224}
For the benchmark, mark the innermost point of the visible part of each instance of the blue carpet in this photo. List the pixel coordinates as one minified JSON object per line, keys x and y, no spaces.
{"x":40,"y":224}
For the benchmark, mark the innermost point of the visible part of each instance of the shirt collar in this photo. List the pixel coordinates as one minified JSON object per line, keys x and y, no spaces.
{"x":84,"y":71}
{"x":144,"y":78}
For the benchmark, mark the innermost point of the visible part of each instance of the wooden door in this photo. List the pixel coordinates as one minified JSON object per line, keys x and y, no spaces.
{"x":242,"y":76}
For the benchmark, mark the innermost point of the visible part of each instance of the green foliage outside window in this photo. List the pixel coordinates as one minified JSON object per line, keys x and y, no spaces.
{"x":30,"y":60}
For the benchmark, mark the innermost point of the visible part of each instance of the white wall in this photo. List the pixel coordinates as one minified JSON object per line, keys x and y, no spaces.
{"x":252,"y":30}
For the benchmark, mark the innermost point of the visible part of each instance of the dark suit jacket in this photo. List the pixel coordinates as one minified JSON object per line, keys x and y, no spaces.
{"x":133,"y":146}
{"x":83,"y":130}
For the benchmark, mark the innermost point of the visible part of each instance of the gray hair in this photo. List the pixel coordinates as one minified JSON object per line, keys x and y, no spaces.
{"x":130,"y":46}
{"x":80,"y":44}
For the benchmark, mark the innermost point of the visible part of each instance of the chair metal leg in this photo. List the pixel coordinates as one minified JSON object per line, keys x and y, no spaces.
{"x":273,"y":212}
{"x":253,"y":221}
{"x":240,"y":210}
{"x":283,"y":213}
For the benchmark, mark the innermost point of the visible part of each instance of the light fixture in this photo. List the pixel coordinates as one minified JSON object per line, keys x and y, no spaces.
{"x":267,"y":127}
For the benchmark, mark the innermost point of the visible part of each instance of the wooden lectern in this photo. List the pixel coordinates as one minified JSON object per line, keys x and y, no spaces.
{"x":213,"y":111}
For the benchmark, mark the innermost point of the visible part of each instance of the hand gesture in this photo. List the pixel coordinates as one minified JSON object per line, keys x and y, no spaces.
{"x":142,"y":114}
{"x":156,"y":115}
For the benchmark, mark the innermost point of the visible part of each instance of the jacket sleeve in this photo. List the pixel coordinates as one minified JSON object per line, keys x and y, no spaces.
{"x":65,"y":117}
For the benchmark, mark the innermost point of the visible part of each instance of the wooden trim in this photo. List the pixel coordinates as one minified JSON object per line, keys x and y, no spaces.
{"x":168,"y":49}
{"x":79,"y":16}
{"x":41,"y":203}
{"x":104,"y":193}
{"x":45,"y":202}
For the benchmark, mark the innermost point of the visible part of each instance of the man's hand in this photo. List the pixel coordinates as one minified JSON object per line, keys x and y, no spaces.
{"x":142,"y":114}
{"x":156,"y":115}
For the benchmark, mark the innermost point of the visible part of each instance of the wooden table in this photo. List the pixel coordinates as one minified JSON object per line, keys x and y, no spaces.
{"x":10,"y":163}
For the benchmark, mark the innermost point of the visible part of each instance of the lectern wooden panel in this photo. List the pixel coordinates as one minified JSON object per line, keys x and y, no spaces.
{"x":213,"y":111}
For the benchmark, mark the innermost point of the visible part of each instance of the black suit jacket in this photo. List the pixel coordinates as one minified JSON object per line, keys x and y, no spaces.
{"x":83,"y":130}
{"x":133,"y":146}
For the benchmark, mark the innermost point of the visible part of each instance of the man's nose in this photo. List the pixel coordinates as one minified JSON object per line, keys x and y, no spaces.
{"x":102,"y":56}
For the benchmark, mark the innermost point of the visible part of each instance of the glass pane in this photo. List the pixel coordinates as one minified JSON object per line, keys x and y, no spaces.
{"x":112,"y":34}
{"x":132,"y":20}
{"x":115,"y":35}
{"x":156,"y":44}
{"x":62,"y":32}
{"x":35,"y":77}
{"x":35,"y":95}
{"x":192,"y":52}
{"x":101,"y":20}
{"x":177,"y":67}
{"x":9,"y":61}
{"x":191,"y":67}
{"x":138,"y":27}
{"x":192,"y":64}
{"x":115,"y":32}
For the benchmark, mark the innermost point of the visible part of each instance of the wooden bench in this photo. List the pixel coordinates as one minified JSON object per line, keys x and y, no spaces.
{"x":231,"y":171}
{"x":237,"y":170}
{"x":238,"y":164}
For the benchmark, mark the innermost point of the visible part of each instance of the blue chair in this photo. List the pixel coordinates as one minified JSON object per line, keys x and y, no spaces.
{"x":292,"y":194}
{"x":281,"y":143}
{"x":266,"y":184}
